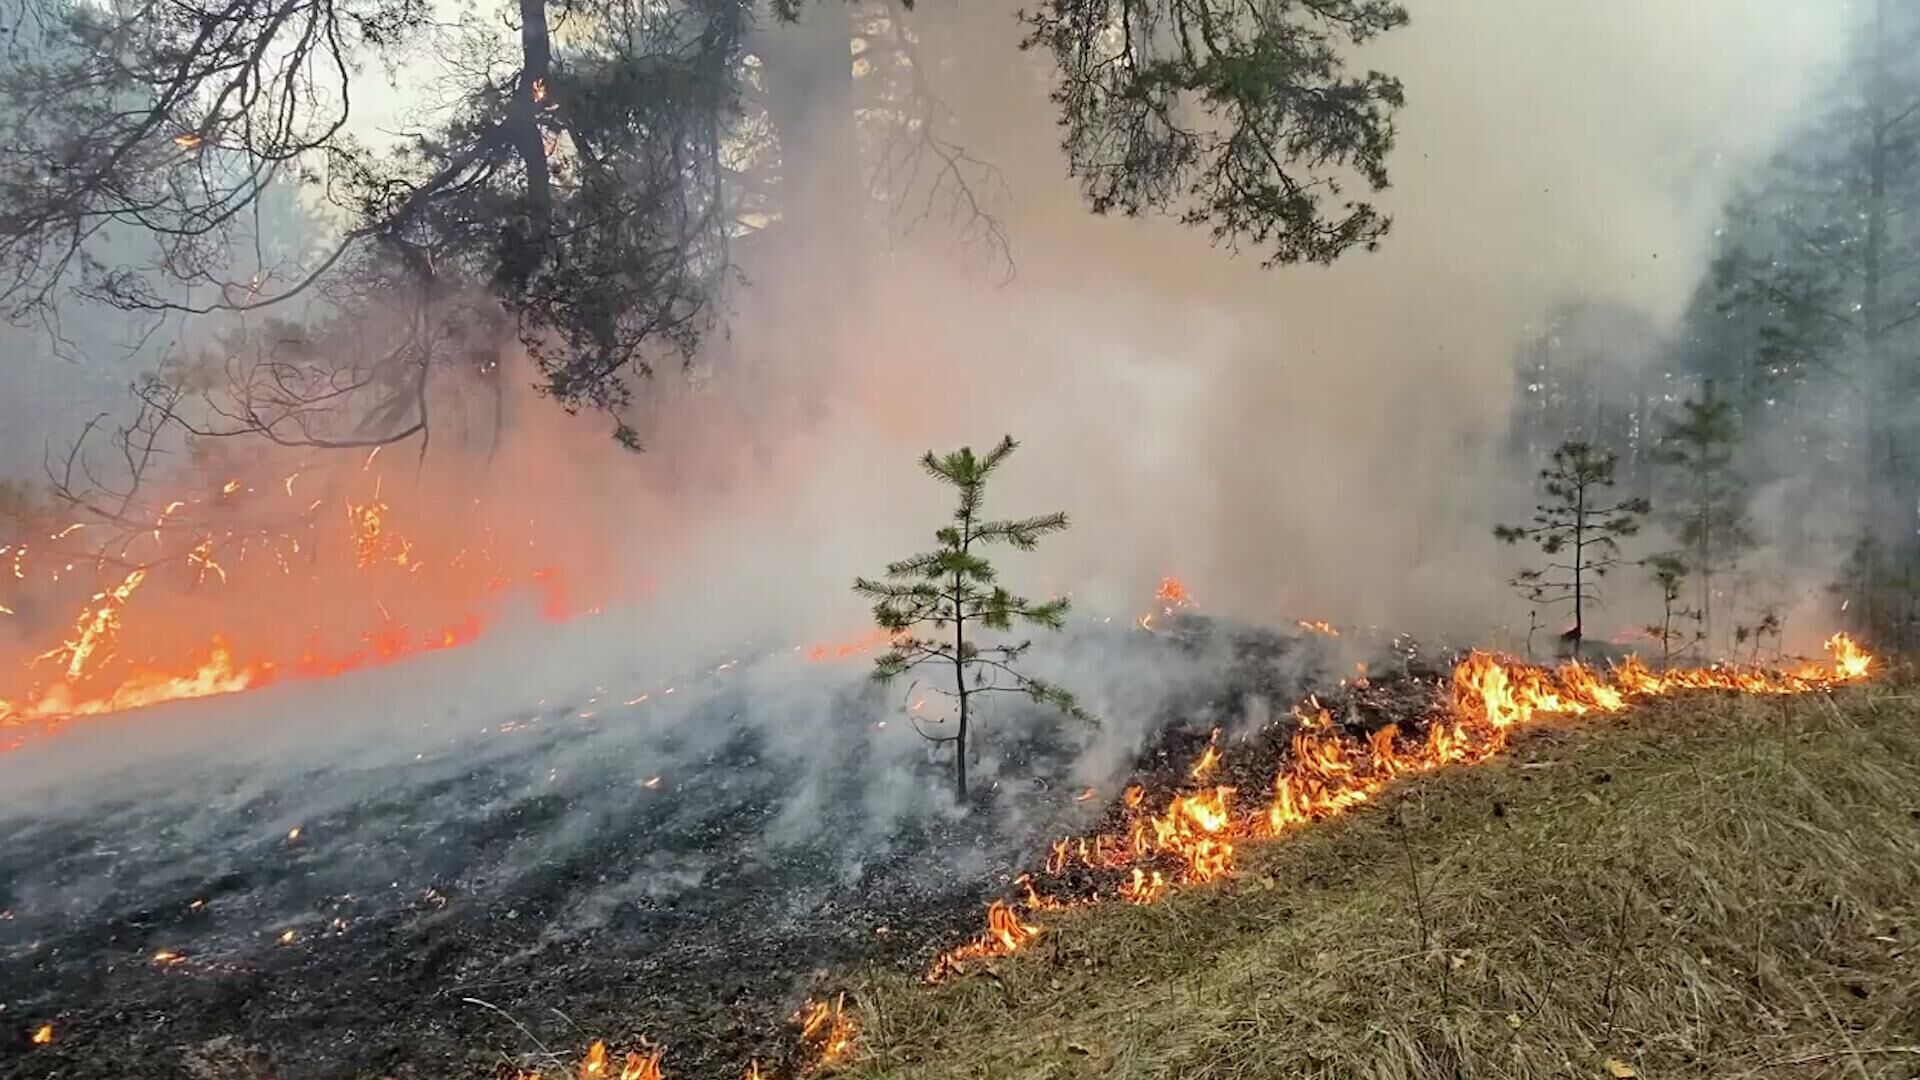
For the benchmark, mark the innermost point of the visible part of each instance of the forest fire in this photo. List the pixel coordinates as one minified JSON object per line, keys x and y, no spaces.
{"x":1326,"y":772}
{"x":204,"y":567}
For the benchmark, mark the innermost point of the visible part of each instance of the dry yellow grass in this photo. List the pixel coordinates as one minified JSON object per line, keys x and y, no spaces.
{"x":1712,"y":886}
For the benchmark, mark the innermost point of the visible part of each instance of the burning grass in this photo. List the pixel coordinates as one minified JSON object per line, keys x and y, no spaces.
{"x":1722,"y":885}
{"x":1326,"y":769}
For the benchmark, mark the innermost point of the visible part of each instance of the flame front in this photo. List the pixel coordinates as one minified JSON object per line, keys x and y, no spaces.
{"x":207,"y":567}
{"x":1327,"y":772}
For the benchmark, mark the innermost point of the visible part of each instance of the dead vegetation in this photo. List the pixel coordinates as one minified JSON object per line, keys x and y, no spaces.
{"x":1719,"y":886}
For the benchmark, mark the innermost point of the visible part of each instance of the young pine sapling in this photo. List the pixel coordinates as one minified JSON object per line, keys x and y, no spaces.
{"x":1670,"y":575}
{"x":938,"y":602}
{"x":1579,"y":528}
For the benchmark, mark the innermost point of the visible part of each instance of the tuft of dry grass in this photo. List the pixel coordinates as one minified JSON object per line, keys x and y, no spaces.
{"x":1712,"y":886}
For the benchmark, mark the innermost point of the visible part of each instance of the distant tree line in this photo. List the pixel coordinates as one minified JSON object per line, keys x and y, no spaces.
{"x":1784,"y":413}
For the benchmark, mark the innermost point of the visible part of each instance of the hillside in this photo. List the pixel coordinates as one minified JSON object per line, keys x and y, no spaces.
{"x":1713,"y":885}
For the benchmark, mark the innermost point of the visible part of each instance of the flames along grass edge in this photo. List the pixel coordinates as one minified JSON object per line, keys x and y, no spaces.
{"x":1325,"y":773}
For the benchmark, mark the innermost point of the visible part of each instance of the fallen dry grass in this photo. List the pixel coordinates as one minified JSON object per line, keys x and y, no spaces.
{"x":1715,"y":886}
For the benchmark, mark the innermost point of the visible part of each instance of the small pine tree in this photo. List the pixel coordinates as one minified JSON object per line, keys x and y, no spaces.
{"x":1576,"y":521}
{"x":1670,"y":574}
{"x":1707,"y":495}
{"x":953,"y":590}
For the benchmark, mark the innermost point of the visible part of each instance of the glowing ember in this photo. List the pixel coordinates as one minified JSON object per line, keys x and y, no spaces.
{"x":167,"y":958}
{"x":42,"y":1035}
{"x":1172,"y":596}
{"x":1173,"y":593}
{"x":866,"y":643}
{"x":287,"y":937}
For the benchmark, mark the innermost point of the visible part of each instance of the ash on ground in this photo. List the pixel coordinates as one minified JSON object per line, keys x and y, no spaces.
{"x":388,"y":897}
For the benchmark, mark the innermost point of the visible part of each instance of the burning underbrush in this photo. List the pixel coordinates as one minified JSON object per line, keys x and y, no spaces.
{"x":1331,"y":755}
{"x":237,"y":571}
{"x":1718,"y":885}
{"x":371,"y":876}
{"x":660,"y":877}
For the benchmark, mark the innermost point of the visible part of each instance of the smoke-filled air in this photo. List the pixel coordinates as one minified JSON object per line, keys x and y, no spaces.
{"x":591,"y":539}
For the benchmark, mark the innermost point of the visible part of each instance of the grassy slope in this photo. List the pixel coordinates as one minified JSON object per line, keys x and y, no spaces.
{"x":1766,"y":855}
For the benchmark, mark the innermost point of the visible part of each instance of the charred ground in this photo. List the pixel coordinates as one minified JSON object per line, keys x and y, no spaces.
{"x":540,"y":868}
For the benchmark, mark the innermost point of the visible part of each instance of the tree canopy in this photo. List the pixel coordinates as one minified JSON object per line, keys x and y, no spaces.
{"x":590,"y":174}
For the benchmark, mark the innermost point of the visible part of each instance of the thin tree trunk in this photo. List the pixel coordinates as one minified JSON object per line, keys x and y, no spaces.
{"x":1706,"y":553}
{"x":1579,"y":553}
{"x":1666,"y":631}
{"x":960,"y":660}
{"x":960,"y":680}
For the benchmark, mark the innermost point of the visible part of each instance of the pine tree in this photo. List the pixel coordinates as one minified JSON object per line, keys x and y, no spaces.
{"x":1576,"y":522}
{"x":1812,"y":316}
{"x":953,"y":589}
{"x":1670,"y":574}
{"x":1707,"y":494}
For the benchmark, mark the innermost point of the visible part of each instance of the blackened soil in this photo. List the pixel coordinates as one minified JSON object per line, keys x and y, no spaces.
{"x":454,"y":910}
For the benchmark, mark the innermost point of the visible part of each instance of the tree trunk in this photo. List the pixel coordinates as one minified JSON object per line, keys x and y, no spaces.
{"x":810,"y":100}
{"x":1872,"y":284}
{"x":1579,"y":552}
{"x":1706,"y":556}
{"x":536,"y":57}
{"x":960,"y":681}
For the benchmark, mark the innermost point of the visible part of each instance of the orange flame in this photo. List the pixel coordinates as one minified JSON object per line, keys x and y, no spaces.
{"x":1173,"y":593}
{"x":641,"y":1066}
{"x":42,"y":1035}
{"x":1005,"y":935}
{"x":1327,"y":772}
{"x":96,"y":669}
{"x":1209,"y":759}
{"x":826,"y":1031}
{"x":841,"y":650}
{"x":97,"y":625}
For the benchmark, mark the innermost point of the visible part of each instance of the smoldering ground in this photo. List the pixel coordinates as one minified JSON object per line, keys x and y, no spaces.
{"x":322,"y":881}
